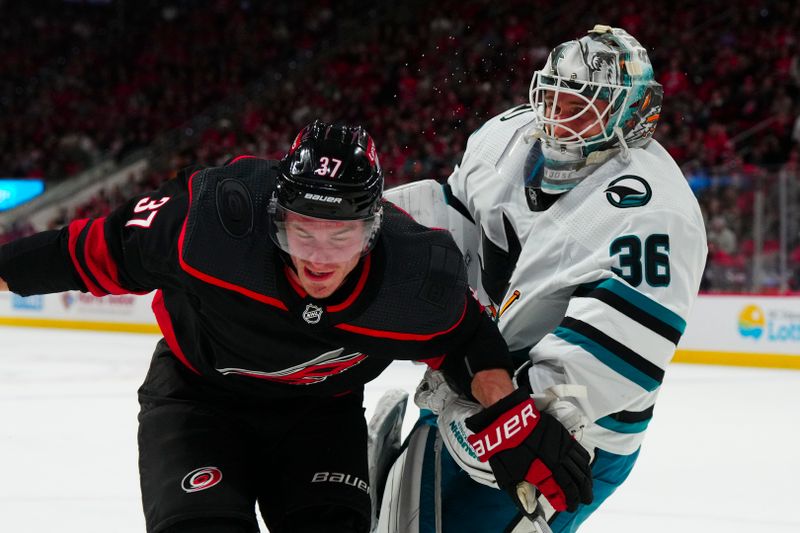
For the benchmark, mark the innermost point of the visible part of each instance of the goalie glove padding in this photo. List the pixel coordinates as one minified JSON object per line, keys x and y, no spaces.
{"x":435,"y":394}
{"x":522,"y":444}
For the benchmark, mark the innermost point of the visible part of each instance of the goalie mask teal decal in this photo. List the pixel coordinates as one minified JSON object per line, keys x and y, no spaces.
{"x":628,"y":191}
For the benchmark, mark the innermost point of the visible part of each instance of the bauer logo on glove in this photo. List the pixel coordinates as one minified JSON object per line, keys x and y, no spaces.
{"x":523,"y":445}
{"x":507,"y":431}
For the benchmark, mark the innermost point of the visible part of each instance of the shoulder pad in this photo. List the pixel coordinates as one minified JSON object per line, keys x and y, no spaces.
{"x":425,"y":281}
{"x":229,"y":209}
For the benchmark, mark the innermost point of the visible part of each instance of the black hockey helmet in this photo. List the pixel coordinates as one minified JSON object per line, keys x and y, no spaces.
{"x":331,"y":173}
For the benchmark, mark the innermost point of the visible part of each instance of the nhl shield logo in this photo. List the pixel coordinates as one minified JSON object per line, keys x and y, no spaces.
{"x":312,"y":314}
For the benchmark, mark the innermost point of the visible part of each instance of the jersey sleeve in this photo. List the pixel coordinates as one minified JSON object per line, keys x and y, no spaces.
{"x":475,"y":345}
{"x":132,"y":250}
{"x":484,"y":190}
{"x":456,"y":189}
{"x":481,"y":168}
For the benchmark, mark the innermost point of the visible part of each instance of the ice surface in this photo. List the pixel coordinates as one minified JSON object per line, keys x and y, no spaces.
{"x":720,"y":456}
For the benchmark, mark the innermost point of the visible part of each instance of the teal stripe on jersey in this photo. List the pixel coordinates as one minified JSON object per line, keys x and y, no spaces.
{"x":622,"y":427}
{"x":608,"y":358}
{"x":609,"y":471}
{"x":644,"y":303}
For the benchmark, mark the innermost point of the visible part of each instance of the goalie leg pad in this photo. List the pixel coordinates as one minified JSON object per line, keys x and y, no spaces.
{"x":427,"y":491}
{"x":384,"y":442}
{"x":401,"y":502}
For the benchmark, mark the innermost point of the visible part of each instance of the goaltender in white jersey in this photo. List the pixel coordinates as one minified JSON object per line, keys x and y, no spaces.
{"x":584,"y":238}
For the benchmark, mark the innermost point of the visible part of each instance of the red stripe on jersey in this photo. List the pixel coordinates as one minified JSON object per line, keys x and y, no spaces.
{"x":296,"y":286}
{"x":362,"y":280}
{"x":75,"y":228}
{"x":99,"y":261}
{"x":211,"y":279}
{"x":400,"y":336}
{"x":165,"y":323}
{"x":238,"y":158}
{"x":434,"y":362}
{"x":359,"y":287}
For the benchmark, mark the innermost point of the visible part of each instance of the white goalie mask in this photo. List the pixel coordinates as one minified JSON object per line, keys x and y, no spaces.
{"x":594,"y":94}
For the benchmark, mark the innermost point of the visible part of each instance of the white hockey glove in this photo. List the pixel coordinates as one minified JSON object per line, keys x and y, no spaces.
{"x":435,"y":394}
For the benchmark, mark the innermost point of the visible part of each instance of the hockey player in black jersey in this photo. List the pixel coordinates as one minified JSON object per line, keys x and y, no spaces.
{"x":282,"y":288}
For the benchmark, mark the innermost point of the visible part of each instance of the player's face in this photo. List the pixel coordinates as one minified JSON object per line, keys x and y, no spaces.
{"x":575,"y":116}
{"x":323,"y":252}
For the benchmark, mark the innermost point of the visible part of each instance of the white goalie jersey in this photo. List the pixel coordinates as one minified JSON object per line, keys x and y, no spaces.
{"x":596,"y":288}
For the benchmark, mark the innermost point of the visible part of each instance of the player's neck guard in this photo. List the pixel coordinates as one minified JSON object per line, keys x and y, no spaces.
{"x":547,"y":172}
{"x":562,"y":170}
{"x":549,"y":176}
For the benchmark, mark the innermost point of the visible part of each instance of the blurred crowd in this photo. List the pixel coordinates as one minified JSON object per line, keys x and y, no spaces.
{"x":84,"y":82}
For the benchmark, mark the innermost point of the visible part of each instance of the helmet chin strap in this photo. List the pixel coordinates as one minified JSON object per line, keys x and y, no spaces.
{"x":623,"y":146}
{"x":533,"y":135}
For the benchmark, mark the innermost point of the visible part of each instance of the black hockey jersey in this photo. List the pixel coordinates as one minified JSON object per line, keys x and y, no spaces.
{"x":230,"y":313}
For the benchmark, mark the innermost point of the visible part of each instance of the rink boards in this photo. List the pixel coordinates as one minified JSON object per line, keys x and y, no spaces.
{"x":740,"y":330}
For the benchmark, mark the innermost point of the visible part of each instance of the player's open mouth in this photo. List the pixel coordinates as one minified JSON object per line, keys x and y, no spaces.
{"x":317,"y":276}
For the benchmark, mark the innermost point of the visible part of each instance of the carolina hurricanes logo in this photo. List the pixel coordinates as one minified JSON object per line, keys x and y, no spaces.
{"x":308,"y":373}
{"x":201,"y":479}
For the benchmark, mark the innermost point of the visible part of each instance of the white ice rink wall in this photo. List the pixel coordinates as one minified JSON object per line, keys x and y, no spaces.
{"x":741,"y":330}
{"x":77,"y":310}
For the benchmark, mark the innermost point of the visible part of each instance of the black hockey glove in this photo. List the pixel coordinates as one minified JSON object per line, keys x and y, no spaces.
{"x":522,"y":444}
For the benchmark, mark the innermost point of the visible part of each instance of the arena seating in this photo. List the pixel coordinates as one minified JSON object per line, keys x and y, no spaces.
{"x":421,"y":77}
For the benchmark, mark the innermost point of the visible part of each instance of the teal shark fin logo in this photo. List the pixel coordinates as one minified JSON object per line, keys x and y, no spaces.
{"x":628,"y":191}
